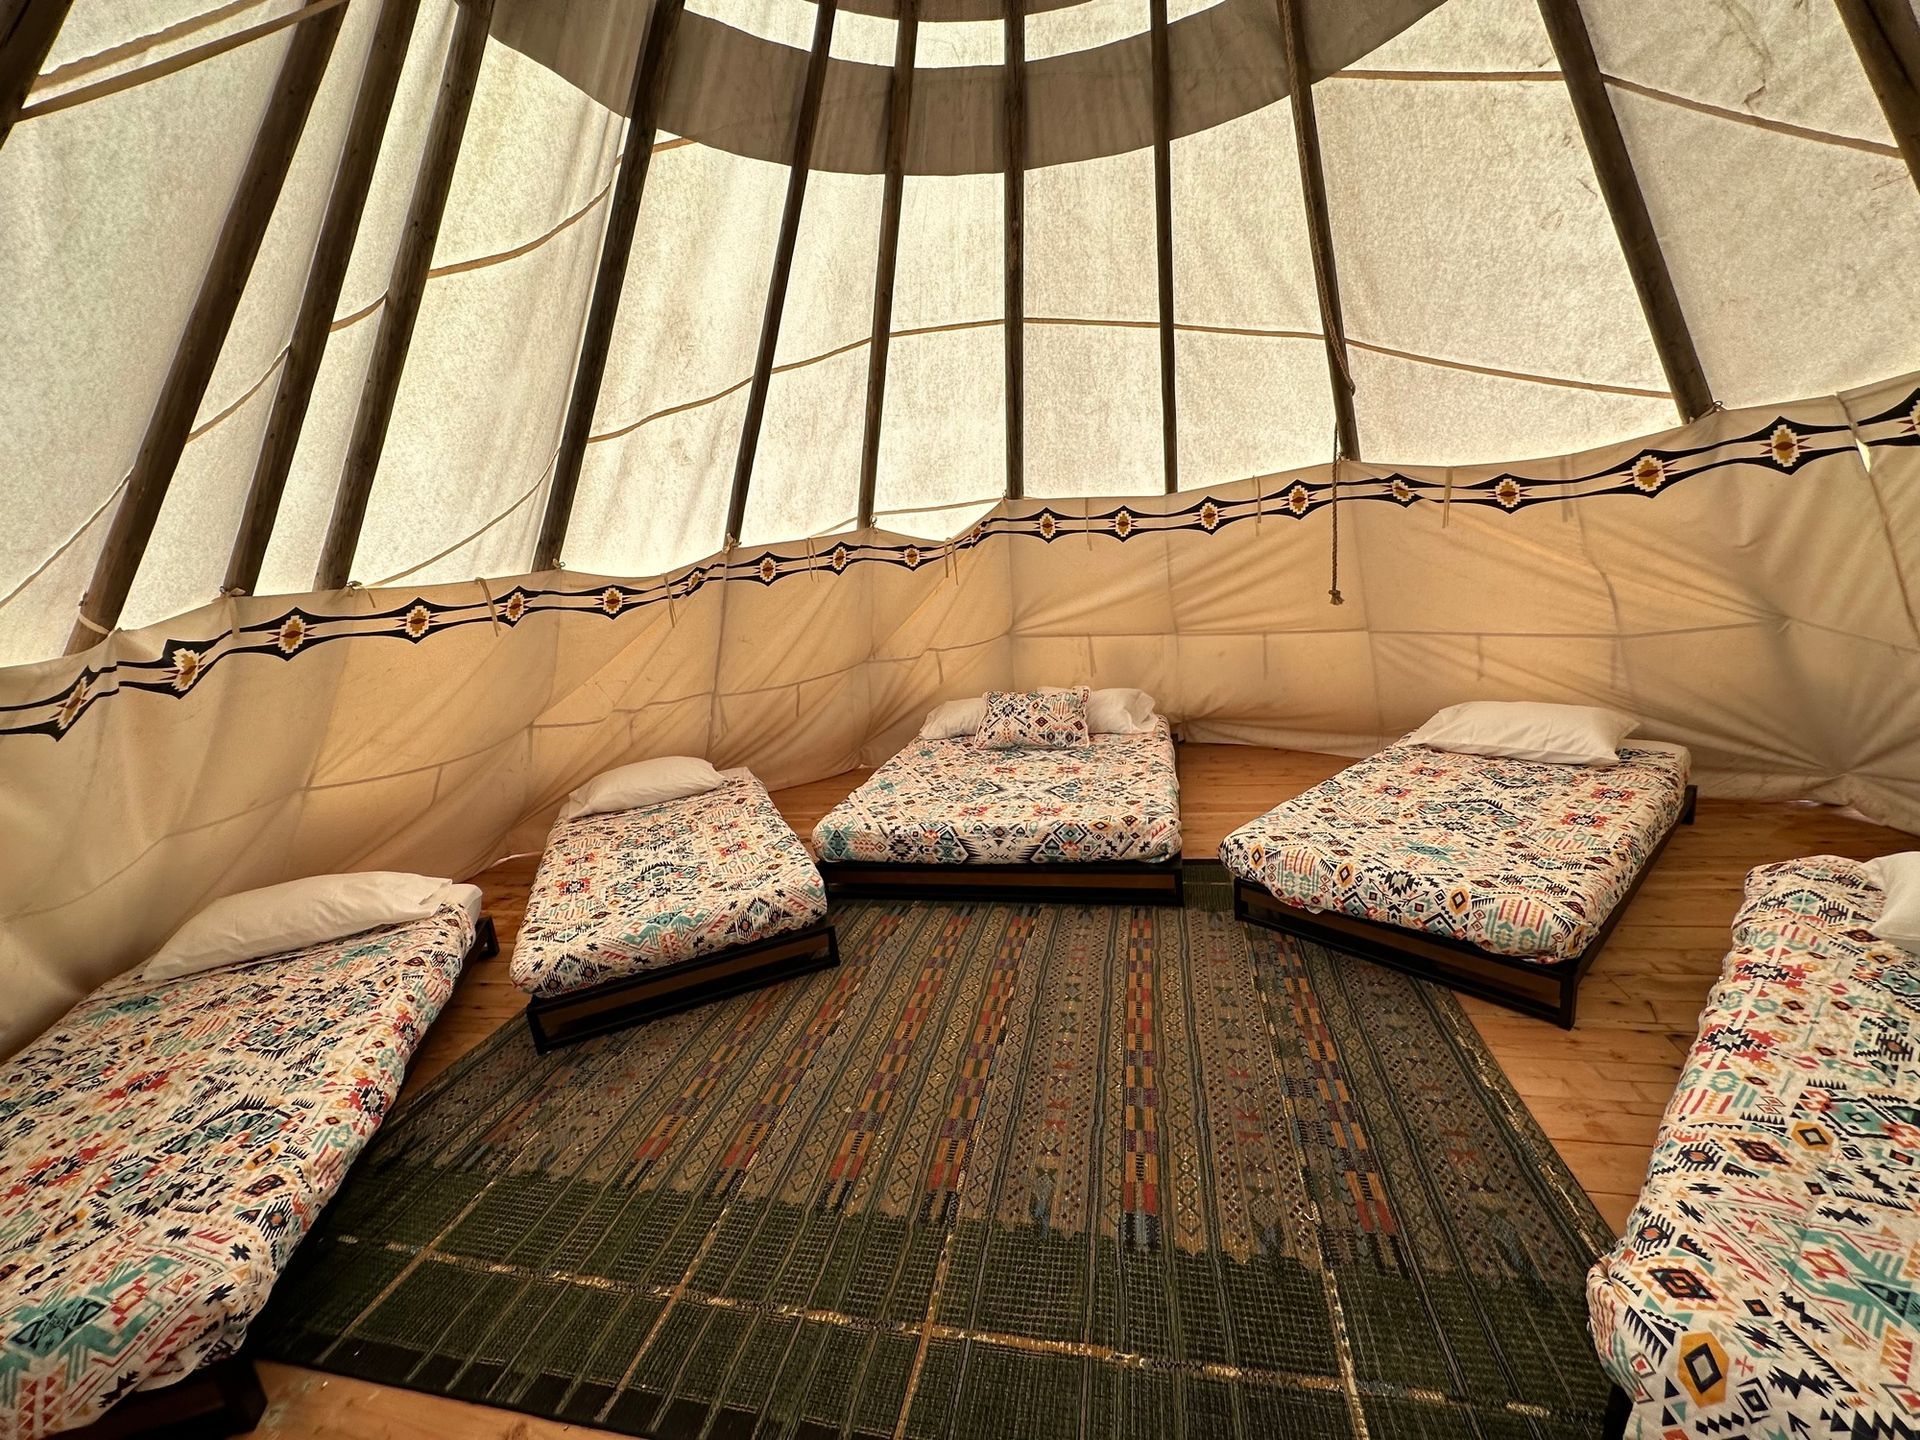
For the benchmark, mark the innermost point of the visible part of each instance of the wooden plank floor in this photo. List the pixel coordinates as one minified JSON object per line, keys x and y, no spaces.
{"x":1598,"y":1091}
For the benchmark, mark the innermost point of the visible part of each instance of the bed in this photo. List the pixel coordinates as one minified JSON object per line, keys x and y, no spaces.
{"x":163,"y":1149}
{"x":1500,"y":877}
{"x":1098,"y":822}
{"x":639,"y":913}
{"x":1765,"y":1285}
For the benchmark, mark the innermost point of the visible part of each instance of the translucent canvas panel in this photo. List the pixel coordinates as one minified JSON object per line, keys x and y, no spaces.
{"x":1475,"y":35}
{"x":1071,"y":28}
{"x":806,"y":473}
{"x":300,"y":527}
{"x":1468,"y":227}
{"x":108,"y":215}
{"x":186,"y":557}
{"x":830,"y":287}
{"x":1793,"y":258}
{"x":952,"y":263}
{"x":943,"y":435}
{"x":1250,"y":406}
{"x":1241,"y":255}
{"x":101,"y":39}
{"x":1787,"y":62}
{"x":477,"y":416}
{"x":656,"y":496}
{"x":1093,"y":411}
{"x":1412,"y":413}
{"x":535,"y":153}
{"x":1089,"y":240}
{"x":786,"y":22}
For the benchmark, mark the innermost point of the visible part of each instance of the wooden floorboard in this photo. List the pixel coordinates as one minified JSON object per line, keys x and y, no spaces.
{"x":1598,"y":1091}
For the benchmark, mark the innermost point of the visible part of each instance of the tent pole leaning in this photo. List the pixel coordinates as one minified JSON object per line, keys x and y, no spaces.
{"x":802,"y":158}
{"x":1886,"y":35}
{"x":899,"y":121}
{"x":1620,"y":188}
{"x":254,"y":199}
{"x":28,"y":29}
{"x":428,"y":206}
{"x":623,"y":215}
{"x":1015,"y":87}
{"x":1313,"y":187}
{"x":1163,"y":235}
{"x":331,"y":252}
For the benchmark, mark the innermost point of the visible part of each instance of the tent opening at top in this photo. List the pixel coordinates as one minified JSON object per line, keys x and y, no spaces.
{"x":952,"y":718}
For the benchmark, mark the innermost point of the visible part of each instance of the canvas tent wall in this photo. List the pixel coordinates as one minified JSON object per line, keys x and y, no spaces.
{"x":1190,"y":305}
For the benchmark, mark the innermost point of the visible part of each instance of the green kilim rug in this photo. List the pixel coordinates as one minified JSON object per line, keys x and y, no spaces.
{"x":1011,"y":1172}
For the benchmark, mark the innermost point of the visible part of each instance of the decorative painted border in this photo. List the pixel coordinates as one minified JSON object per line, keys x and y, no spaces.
{"x":1787,"y":446}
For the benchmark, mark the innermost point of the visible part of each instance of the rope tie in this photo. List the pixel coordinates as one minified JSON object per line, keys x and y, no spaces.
{"x":1334,"y":597}
{"x":81,"y":615}
{"x":493,"y":610}
{"x":1446,"y":500}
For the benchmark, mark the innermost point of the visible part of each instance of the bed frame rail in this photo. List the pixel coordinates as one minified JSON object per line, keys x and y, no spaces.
{"x":1546,"y":992}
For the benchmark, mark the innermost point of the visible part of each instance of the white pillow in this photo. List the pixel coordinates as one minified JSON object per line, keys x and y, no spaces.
{"x":1526,"y":730}
{"x":955,"y":718}
{"x":649,"y":782}
{"x":1109,"y":712}
{"x":279,"y":918}
{"x":1898,"y":877}
{"x":1120,"y":712}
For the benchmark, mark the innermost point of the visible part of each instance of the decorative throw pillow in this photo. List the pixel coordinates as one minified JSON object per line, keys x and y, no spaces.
{"x":1038,"y":719}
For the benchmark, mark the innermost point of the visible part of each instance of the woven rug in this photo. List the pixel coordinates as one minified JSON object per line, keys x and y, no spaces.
{"x":1011,"y":1172}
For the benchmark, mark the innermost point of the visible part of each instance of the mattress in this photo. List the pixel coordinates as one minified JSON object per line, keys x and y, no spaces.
{"x":640,"y":891}
{"x":1765,"y":1286}
{"x":948,"y":802}
{"x":1516,"y":857}
{"x":164,"y":1148}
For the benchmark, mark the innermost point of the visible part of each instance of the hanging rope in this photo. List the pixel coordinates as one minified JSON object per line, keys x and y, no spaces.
{"x":1334,"y":597}
{"x":493,"y":610}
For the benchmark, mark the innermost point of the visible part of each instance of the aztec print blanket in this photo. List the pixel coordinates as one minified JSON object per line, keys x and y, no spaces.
{"x":949,"y":802}
{"x":643,"y":890}
{"x":1768,"y":1286}
{"x":1516,"y":857}
{"x":164,"y":1148}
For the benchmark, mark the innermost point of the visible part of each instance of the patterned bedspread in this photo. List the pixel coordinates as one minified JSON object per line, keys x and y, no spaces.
{"x":648,"y":889}
{"x":1769,"y":1283}
{"x":1515,"y":856}
{"x":164,"y":1148}
{"x":948,"y":802}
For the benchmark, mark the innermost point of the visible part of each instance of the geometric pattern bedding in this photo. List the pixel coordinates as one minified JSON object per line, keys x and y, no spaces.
{"x":1517,"y":857}
{"x":1768,"y":1285}
{"x":638,"y":891}
{"x":951,"y":802}
{"x":164,"y":1148}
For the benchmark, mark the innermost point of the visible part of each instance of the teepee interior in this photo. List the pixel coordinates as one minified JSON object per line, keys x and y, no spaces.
{"x":856,"y":718}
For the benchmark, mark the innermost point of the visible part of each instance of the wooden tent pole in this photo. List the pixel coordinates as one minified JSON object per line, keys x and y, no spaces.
{"x":27,"y":32}
{"x":899,"y":122}
{"x":1016,"y":223}
{"x":431,"y":187}
{"x":797,"y":169}
{"x":1163,"y":235}
{"x":1620,"y":188}
{"x":254,"y":199}
{"x":328,"y":271}
{"x":623,"y":215}
{"x":1887,"y":36}
{"x":1313,"y":186}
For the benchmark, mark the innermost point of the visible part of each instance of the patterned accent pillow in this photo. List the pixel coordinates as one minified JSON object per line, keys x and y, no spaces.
{"x":1038,"y":720}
